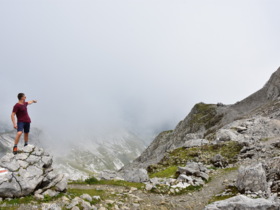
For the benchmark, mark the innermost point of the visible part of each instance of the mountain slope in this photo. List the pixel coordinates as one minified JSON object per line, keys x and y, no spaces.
{"x":205,"y":119}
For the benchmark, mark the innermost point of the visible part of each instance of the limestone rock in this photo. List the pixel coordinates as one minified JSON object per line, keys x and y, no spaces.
{"x":195,"y":143}
{"x":135,"y":175}
{"x":219,"y":161}
{"x":273,"y":174}
{"x":86,"y":197}
{"x":252,"y":178}
{"x":242,"y":202}
{"x":29,"y":170}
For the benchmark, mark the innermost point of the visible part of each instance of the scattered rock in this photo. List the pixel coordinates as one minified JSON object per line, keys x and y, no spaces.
{"x":50,"y":206}
{"x":195,"y":170}
{"x":219,"y":161}
{"x":149,"y":186}
{"x":86,"y":197}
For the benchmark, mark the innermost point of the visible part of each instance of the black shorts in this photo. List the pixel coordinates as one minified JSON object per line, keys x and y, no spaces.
{"x":23,"y":127}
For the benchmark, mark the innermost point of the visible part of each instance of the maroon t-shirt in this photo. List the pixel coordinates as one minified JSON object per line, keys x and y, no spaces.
{"x":21,"y":112}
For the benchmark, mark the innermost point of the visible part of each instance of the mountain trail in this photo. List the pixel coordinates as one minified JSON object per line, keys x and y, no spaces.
{"x":196,"y":200}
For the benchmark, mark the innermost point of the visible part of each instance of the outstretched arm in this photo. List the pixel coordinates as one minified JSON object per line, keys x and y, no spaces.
{"x":31,"y":102}
{"x":14,"y":120}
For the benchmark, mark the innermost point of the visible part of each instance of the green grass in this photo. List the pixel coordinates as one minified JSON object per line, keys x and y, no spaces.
{"x":204,"y":115}
{"x":264,"y":139}
{"x":230,"y":169}
{"x":179,"y":157}
{"x":91,"y":192}
{"x":233,"y":191}
{"x":14,"y":203}
{"x":168,"y":172}
{"x":166,"y":132}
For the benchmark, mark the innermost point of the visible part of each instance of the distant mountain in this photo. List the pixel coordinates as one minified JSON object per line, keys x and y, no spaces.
{"x":111,"y":152}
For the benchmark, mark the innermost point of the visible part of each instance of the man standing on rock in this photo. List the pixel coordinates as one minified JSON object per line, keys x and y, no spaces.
{"x":23,"y":120}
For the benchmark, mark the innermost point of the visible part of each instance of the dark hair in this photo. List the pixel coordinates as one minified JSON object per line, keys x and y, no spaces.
{"x":20,"y":95}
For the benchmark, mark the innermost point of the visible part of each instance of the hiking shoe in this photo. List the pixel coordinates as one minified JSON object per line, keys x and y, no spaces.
{"x":25,"y":144}
{"x":15,"y":150}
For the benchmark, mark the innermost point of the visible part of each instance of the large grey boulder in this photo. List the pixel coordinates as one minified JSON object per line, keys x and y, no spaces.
{"x":193,"y":172}
{"x":252,"y":178}
{"x":109,"y":175}
{"x":28,"y":171}
{"x":242,"y":202}
{"x":135,"y":175}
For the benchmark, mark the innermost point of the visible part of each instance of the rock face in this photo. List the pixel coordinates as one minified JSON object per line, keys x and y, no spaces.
{"x":252,"y":178}
{"x":30,"y":171}
{"x":242,"y":202}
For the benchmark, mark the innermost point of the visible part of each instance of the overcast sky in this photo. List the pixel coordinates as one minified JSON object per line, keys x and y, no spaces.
{"x":136,"y":64}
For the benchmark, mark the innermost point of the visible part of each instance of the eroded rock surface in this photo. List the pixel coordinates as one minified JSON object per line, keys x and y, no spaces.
{"x":30,"y":171}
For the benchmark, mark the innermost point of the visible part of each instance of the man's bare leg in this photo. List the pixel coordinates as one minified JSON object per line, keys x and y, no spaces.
{"x":16,"y":142}
{"x":26,"y":139}
{"x":18,"y":137}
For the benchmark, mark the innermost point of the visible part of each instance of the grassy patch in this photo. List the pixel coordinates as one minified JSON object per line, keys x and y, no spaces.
{"x":91,"y":192}
{"x":230,"y":169}
{"x":168,"y":172}
{"x":16,"y":202}
{"x":204,"y":115}
{"x":166,"y":132}
{"x":264,"y":139}
{"x":178,"y":157}
{"x":230,"y":192}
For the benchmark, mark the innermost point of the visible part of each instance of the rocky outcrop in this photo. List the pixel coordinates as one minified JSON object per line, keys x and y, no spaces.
{"x":242,"y":202}
{"x":273,"y":174}
{"x":270,"y":92}
{"x":135,"y":175}
{"x":30,"y":172}
{"x":219,"y":161}
{"x":252,"y":179}
{"x":194,"y":173}
{"x":250,"y":130}
{"x":188,"y":133}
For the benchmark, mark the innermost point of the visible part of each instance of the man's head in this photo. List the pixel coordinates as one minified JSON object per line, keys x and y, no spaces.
{"x":21,"y":96}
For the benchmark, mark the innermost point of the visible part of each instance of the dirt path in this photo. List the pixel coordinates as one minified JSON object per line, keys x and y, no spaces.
{"x":194,"y":201}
